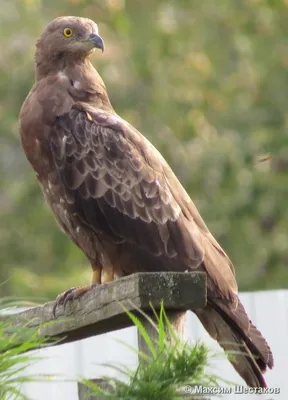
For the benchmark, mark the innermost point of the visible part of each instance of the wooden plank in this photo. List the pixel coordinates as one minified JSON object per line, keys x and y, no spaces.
{"x":99,"y":311}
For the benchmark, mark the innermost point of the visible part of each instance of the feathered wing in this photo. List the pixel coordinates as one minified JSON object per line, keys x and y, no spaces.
{"x":124,"y":189}
{"x":116,"y":179}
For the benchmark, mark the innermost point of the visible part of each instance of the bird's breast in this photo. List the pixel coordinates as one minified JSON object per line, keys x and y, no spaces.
{"x":48,"y":99}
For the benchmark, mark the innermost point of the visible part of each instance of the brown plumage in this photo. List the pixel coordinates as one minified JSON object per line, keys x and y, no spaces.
{"x":116,"y":197}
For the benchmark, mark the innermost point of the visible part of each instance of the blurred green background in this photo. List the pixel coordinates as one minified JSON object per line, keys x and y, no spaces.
{"x":207,"y":82}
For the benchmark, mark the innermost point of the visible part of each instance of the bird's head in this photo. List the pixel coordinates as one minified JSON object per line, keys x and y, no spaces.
{"x":69,"y":38}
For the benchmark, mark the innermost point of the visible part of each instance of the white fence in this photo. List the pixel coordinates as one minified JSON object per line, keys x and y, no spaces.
{"x":268,"y":310}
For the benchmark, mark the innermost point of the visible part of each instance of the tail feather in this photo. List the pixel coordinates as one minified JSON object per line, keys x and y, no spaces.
{"x":254,"y":340}
{"x":249,"y":352}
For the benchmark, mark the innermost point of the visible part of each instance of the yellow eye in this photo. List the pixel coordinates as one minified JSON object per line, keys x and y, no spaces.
{"x":67,"y":32}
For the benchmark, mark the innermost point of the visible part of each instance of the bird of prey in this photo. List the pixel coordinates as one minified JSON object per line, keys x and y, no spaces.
{"x":116,"y":197}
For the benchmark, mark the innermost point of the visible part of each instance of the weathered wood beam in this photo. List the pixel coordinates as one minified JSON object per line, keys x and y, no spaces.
{"x":100,"y":311}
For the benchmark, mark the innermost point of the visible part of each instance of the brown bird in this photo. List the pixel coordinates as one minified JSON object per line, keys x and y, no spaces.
{"x":114,"y":194}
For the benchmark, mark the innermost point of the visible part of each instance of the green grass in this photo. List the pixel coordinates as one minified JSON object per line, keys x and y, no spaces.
{"x":162,"y":375}
{"x":14,"y":359}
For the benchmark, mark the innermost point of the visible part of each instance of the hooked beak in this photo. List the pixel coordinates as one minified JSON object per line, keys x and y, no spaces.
{"x":96,"y":41}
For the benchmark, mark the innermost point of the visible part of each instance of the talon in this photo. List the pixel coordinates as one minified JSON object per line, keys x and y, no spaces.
{"x":73,"y":295}
{"x":60,"y":299}
{"x":70,"y":295}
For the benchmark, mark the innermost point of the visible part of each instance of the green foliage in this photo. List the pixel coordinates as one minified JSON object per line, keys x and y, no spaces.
{"x":205,"y":81}
{"x":13,"y":362}
{"x":163,"y":374}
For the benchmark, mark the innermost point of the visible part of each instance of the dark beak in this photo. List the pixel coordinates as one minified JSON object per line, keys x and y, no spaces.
{"x":97,"y":41}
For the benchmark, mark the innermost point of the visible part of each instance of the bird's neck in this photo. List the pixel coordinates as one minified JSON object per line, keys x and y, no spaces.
{"x":84,"y":84}
{"x":52,"y":64}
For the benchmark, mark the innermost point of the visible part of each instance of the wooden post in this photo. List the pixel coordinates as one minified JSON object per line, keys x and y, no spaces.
{"x":178,"y":322}
{"x":84,"y":392}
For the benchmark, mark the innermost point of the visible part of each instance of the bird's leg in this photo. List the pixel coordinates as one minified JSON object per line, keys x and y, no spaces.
{"x":107,"y":274}
{"x":117,"y":274}
{"x":96,"y":275}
